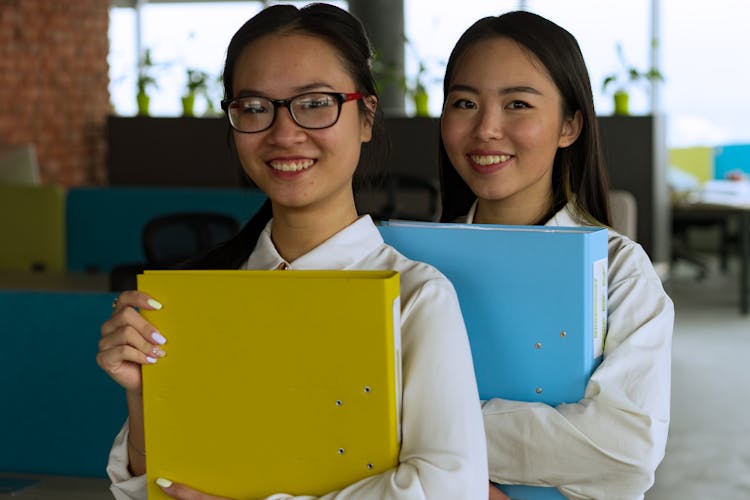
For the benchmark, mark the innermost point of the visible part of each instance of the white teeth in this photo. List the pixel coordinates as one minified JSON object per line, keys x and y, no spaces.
{"x":291,"y":166}
{"x":489,"y":159}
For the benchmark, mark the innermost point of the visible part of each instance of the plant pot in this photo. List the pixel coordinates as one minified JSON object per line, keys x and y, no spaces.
{"x":621,"y":102}
{"x":143,"y":101}
{"x":421,"y":103}
{"x":188,"y":102}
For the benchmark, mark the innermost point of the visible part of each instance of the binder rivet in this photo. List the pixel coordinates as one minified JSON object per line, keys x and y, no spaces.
{"x":538,"y":345}
{"x":538,"y":390}
{"x":563,"y":333}
{"x":338,"y":402}
{"x":370,"y":466}
{"x":367,"y":389}
{"x":341,"y":451}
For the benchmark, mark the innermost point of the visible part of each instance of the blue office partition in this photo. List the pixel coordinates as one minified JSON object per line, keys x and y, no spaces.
{"x":60,"y":412}
{"x":730,"y":159}
{"x":104,"y":225}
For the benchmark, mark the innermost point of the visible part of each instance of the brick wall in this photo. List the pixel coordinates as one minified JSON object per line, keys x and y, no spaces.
{"x":54,"y":85}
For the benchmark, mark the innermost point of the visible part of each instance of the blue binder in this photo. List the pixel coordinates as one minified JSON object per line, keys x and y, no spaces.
{"x":534,"y":299}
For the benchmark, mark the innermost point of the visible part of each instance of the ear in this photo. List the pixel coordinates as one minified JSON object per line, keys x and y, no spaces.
{"x":371,"y":103}
{"x":571,"y":129}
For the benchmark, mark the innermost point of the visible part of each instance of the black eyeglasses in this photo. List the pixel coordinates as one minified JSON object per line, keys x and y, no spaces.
{"x":312,"y":110}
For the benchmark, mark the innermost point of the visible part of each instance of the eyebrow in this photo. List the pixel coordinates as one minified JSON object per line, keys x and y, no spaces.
{"x":523,"y":89}
{"x":310,"y":87}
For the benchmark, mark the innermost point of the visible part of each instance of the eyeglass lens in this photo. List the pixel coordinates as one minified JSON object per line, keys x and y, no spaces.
{"x":312,"y":111}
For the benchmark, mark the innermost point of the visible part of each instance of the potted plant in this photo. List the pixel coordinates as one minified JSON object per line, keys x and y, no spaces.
{"x":197,"y":84}
{"x":418,"y":93}
{"x":145,"y":81}
{"x":417,"y":90}
{"x":623,"y":79}
{"x":387,"y":74}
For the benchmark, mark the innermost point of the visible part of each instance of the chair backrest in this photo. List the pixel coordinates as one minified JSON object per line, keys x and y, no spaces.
{"x":105,"y":224}
{"x":18,"y":165}
{"x":171,"y":239}
{"x":401,"y":196}
{"x":624,"y":213}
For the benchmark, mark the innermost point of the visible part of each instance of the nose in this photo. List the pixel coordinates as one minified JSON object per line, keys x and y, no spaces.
{"x":489,"y":124}
{"x":284,"y":129}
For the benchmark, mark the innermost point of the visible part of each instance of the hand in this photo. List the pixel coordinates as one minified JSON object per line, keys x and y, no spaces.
{"x":496,"y":494}
{"x":182,"y":492}
{"x":129,"y":341}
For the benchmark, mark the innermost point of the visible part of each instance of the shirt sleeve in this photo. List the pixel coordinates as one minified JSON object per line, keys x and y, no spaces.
{"x":443,"y":450}
{"x":609,"y":444}
{"x":124,"y":485}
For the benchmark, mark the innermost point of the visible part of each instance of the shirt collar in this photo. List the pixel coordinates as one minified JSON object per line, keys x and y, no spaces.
{"x":341,"y":251}
{"x":566,"y":217}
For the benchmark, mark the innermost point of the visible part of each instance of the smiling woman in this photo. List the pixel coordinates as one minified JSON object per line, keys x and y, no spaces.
{"x":302,"y":102}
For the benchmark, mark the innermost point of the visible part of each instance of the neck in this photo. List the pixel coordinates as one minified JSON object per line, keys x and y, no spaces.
{"x":510,"y":212}
{"x":296,"y":231}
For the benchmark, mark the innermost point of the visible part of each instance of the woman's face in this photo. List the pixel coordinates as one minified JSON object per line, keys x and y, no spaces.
{"x":502,"y":124}
{"x":299,"y":168}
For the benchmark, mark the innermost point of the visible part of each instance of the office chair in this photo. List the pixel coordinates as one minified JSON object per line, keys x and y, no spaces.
{"x":400,"y":196}
{"x":169,"y":240}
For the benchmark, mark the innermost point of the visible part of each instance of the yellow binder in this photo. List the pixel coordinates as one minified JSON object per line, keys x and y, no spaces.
{"x":274,"y":381}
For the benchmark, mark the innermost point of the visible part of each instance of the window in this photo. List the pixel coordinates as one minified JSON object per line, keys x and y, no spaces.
{"x":590,"y":21}
{"x":707,"y":75}
{"x":431,"y":29}
{"x":702,"y":96}
{"x":180,"y":36}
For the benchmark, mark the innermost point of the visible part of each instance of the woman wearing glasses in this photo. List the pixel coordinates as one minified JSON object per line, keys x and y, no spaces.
{"x":301,"y":101}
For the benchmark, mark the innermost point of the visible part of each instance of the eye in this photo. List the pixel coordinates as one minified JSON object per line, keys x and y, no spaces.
{"x":464,"y":104}
{"x":315,"y":102}
{"x":518,"y":105}
{"x":252,"y":106}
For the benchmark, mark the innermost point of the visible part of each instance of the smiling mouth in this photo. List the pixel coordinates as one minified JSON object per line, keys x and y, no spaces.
{"x":291,"y":165}
{"x":485,"y":160}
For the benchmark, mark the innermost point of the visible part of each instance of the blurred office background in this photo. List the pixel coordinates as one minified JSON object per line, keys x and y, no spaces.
{"x":69,"y":120}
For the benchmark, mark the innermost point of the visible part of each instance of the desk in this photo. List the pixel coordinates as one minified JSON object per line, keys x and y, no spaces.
{"x":56,"y":487}
{"x":701,"y":211}
{"x":54,"y":281}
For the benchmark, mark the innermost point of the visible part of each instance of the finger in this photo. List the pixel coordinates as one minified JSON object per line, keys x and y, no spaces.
{"x":134,"y":298}
{"x":129,"y":317}
{"x":130,"y":336}
{"x":112,"y":360}
{"x":182,"y":492}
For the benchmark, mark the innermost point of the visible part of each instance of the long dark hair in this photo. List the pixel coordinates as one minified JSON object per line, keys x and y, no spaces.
{"x":578,"y":172}
{"x":347,"y":36}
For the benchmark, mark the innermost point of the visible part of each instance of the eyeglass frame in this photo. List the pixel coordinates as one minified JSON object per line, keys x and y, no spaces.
{"x":340,"y":97}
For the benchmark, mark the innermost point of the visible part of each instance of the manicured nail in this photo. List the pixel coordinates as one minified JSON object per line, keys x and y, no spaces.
{"x":164,"y":483}
{"x":158,"y":338}
{"x":150,"y":359}
{"x":158,"y":352}
{"x":154,"y":303}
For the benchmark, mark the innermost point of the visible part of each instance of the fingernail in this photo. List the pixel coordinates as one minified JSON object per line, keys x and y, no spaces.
{"x":159,"y":353}
{"x":151,"y":360}
{"x":164,"y":483}
{"x":154,"y":303}
{"x":158,"y":338}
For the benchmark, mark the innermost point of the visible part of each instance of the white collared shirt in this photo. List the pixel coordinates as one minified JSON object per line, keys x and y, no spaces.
{"x":608,"y":445}
{"x":443,"y":451}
